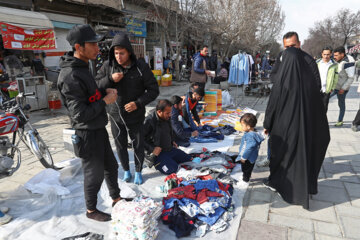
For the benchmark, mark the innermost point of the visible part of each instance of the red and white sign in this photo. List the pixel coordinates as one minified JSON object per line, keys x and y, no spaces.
{"x":23,"y":39}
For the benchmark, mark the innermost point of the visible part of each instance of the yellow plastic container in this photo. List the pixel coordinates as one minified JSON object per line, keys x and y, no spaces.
{"x":211,"y":100}
{"x":219,"y":98}
{"x":157,"y":72}
{"x":166,"y":80}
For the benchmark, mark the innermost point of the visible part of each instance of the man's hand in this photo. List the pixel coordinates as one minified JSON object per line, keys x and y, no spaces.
{"x":111,"y":90}
{"x":242,"y":160}
{"x":175,"y":145}
{"x":195,"y":133}
{"x":117,"y":76}
{"x":130,"y":107}
{"x":266,"y":131}
{"x":157,"y":151}
{"x":110,"y":98}
{"x":341,"y":91}
{"x":207,"y":72}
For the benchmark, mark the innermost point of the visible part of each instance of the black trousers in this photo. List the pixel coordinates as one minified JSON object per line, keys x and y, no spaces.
{"x":356,"y":121}
{"x":98,"y":162}
{"x":136,"y":133}
{"x":247,"y":169}
{"x":325,"y":98}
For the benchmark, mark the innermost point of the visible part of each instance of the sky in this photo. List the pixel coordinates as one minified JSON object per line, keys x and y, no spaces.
{"x":300,"y":15}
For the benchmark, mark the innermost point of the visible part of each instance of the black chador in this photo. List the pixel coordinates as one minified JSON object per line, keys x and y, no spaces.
{"x":298,"y":126}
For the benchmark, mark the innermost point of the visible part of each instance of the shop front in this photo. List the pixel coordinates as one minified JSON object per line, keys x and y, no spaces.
{"x":25,"y":35}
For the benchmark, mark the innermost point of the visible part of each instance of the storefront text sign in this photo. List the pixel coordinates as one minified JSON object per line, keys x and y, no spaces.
{"x":22,"y":39}
{"x":136,"y":27}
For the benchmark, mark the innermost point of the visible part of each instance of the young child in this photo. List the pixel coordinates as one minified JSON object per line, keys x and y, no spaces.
{"x":249,"y":146}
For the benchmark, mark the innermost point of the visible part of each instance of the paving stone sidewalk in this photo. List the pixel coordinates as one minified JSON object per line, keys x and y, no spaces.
{"x":334,"y":212}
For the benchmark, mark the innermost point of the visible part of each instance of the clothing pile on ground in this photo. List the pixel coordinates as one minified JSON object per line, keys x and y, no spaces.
{"x":136,"y":220}
{"x":199,"y":195}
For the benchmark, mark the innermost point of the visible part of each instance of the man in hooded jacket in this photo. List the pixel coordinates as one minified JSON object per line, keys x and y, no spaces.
{"x":299,"y":134}
{"x":137,"y":87}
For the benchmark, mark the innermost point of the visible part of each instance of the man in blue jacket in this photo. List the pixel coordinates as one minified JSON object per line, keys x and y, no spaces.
{"x":182,"y":135}
{"x":199,"y":70}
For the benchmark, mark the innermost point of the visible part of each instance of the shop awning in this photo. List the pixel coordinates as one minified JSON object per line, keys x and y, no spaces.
{"x":24,"y":19}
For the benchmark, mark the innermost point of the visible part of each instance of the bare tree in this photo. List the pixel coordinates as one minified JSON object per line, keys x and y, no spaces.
{"x":332,"y":31}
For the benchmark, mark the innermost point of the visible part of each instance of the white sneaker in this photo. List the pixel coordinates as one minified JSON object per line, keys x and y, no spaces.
{"x":4,"y":209}
{"x":264,"y":163}
{"x":5,"y":219}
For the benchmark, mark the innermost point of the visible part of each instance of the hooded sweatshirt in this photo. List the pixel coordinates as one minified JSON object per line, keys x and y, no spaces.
{"x":80,"y":94}
{"x":138,"y":84}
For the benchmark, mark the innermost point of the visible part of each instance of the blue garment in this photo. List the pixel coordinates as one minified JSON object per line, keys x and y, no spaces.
{"x":207,"y":131}
{"x":212,"y":218}
{"x":198,"y":63}
{"x":166,"y":63}
{"x":249,"y":146}
{"x":341,"y":103}
{"x":168,"y":162}
{"x":169,"y":203}
{"x":239,"y":69}
{"x":212,"y":185}
{"x":203,"y":140}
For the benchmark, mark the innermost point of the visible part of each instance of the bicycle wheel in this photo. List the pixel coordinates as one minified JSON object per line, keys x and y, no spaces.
{"x":40,"y":150}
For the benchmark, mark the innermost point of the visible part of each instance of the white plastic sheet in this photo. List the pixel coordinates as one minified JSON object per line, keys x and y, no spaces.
{"x":50,"y":216}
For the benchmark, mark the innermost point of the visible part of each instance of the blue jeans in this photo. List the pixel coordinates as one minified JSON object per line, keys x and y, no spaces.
{"x":341,"y":103}
{"x":168,"y":162}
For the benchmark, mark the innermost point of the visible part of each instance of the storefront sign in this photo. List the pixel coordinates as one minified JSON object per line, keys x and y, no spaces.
{"x":136,"y":27}
{"x":22,"y":39}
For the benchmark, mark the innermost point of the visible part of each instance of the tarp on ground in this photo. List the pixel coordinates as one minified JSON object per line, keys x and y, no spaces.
{"x":50,"y":216}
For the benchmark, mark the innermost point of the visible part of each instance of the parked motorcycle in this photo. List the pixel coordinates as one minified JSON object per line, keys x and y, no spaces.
{"x":14,"y":120}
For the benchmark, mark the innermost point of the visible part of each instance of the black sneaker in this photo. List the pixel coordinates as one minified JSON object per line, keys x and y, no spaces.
{"x":99,"y":216}
{"x":266,"y":183}
{"x":150,"y":160}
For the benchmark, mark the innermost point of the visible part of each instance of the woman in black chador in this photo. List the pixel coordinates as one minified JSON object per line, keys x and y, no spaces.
{"x":299,"y":132}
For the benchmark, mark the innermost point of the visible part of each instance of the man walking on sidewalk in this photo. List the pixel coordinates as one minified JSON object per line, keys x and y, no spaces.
{"x":346,"y":70}
{"x":86,"y":105}
{"x":328,"y":74}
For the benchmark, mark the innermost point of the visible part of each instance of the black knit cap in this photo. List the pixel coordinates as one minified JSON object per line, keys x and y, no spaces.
{"x":81,"y":34}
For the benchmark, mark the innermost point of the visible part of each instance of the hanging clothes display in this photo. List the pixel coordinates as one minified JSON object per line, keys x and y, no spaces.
{"x":239,"y":69}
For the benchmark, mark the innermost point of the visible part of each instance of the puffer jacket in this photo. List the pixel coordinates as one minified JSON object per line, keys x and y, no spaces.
{"x":346,"y":72}
{"x":138,"y":84}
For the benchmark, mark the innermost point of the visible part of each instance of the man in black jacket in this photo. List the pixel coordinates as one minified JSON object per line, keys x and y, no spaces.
{"x":136,"y":87}
{"x":159,"y":140}
{"x":86,"y":105}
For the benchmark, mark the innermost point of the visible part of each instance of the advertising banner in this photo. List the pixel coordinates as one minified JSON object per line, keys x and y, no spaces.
{"x":22,"y":39}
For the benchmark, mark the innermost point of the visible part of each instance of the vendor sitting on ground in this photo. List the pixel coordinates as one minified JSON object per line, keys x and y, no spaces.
{"x":159,"y":140}
{"x":182,"y":134}
{"x":249,"y":146}
{"x":190,"y":112}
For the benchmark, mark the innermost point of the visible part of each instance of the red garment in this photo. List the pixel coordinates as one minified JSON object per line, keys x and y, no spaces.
{"x":206,"y":177}
{"x":225,"y":189}
{"x":191,"y":105}
{"x":204,"y":194}
{"x":232,"y":165}
{"x":182,"y":192}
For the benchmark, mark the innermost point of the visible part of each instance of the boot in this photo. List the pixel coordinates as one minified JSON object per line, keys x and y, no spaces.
{"x":127,"y":176}
{"x":138,"y":178}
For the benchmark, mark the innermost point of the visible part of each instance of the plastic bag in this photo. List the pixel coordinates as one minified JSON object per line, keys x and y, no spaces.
{"x":226,"y":99}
